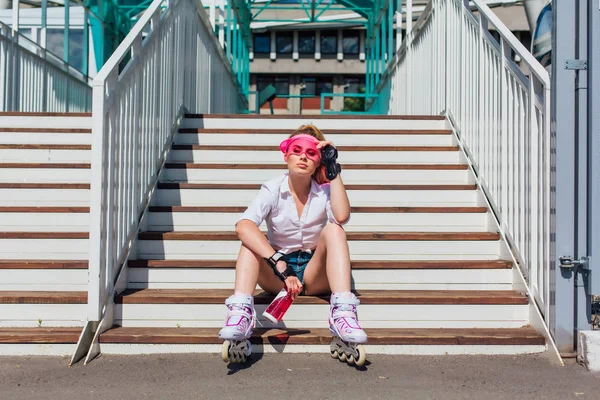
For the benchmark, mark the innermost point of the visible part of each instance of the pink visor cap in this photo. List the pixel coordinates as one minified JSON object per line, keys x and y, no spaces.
{"x":285,"y":145}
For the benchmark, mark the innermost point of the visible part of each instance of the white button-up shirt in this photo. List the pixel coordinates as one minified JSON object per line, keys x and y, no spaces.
{"x":275,"y":204}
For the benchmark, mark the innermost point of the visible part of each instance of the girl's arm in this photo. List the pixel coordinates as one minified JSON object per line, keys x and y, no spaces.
{"x":340,"y":205}
{"x":253,"y":238}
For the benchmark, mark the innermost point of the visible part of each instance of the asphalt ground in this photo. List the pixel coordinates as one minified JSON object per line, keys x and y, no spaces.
{"x":296,"y":376}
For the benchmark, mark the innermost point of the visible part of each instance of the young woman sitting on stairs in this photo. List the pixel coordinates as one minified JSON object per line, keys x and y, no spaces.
{"x":305,"y":250}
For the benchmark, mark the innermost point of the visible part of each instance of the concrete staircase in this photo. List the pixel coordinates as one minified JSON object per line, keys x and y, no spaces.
{"x":429,"y":266}
{"x":44,"y":225}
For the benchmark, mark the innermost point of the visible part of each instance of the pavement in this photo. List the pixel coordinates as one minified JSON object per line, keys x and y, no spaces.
{"x":296,"y":376}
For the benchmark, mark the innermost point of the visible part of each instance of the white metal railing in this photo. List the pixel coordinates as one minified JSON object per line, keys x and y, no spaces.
{"x":33,"y":79}
{"x":450,"y":63}
{"x":169,"y":62}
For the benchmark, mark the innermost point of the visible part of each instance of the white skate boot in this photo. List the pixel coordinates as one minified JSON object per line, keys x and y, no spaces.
{"x":238,"y":329}
{"x":347,"y":333}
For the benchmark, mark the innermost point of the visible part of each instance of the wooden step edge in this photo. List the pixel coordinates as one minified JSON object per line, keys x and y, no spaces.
{"x":391,"y":297}
{"x":46,"y":165}
{"x":45,"y":146}
{"x":43,"y":297}
{"x":243,"y":131}
{"x":317,"y":116}
{"x":39,"y":335}
{"x":253,"y":186}
{"x":382,"y":236}
{"x":375,"y":264}
{"x":44,"y":114}
{"x":322,"y":336}
{"x":44,"y":235}
{"x":420,"y":167}
{"x":373,"y":210}
{"x":180,"y":147}
{"x":33,"y":209}
{"x":45,"y":130}
{"x":43,"y":264}
{"x":19,"y":185}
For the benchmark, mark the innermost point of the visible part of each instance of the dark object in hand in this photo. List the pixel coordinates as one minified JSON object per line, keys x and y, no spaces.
{"x":329,"y":156}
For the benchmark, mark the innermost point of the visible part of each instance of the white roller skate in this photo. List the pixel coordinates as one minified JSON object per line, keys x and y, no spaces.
{"x":238,"y":329}
{"x":347,"y":333}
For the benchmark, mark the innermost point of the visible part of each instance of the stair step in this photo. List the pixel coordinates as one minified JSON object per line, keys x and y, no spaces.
{"x":366,"y":275}
{"x":282,"y":166}
{"x":241,"y":209}
{"x":43,"y":297}
{"x":377,"y":336}
{"x":419,"y":265}
{"x":46,"y":165}
{"x":44,"y":194}
{"x":381,"y":236}
{"x":352,"y":173}
{"x":340,"y":148}
{"x":218,"y":296}
{"x":256,"y":186}
{"x":43,"y":264}
{"x":326,"y":132}
{"x":51,"y":131}
{"x":45,"y":146}
{"x":192,"y":116}
{"x":44,"y":209}
{"x":39,"y":335}
{"x":251,"y":154}
{"x":44,"y":235}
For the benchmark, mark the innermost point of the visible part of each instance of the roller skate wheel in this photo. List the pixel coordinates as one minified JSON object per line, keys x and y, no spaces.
{"x":362,"y":356}
{"x":343,"y":357}
{"x":225,"y":350}
{"x":350,"y":359}
{"x":334,"y":354}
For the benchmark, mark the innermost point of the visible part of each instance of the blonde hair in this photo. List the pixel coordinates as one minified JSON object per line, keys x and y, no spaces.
{"x":310,"y":129}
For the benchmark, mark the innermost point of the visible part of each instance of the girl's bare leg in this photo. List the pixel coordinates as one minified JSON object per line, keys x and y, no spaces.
{"x":329,"y":268}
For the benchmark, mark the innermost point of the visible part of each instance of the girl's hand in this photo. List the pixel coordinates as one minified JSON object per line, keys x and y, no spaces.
{"x":293,"y":286}
{"x":324,"y":143}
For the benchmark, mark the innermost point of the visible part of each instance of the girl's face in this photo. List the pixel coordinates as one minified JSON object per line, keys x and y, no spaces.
{"x":302,"y":156}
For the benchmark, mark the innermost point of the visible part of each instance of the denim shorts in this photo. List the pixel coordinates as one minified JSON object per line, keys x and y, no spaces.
{"x":298,"y":260}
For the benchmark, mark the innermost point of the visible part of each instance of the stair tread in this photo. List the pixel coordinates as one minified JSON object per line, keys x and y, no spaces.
{"x":19,"y":185}
{"x":420,"y":236}
{"x":183,"y":165}
{"x":44,"y":235}
{"x":47,"y":165}
{"x":451,"y":264}
{"x":43,"y":297}
{"x":39,"y":335}
{"x":43,"y":209}
{"x":46,"y":146}
{"x":381,"y":209}
{"x":218,"y":296}
{"x":316,"y":336}
{"x":255,"y":186}
{"x":46,"y":130}
{"x":43,"y":264}
{"x":340,"y":148}
{"x":232,"y":131}
{"x":44,"y":114}
{"x":316,"y":116}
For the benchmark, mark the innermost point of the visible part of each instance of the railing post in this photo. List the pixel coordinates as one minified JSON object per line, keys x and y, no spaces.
{"x":409,"y":61}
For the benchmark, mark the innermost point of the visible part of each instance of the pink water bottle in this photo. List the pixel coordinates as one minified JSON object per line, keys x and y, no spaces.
{"x":278,"y":306}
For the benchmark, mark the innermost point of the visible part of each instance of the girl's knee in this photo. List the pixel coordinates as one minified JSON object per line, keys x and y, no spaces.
{"x":334,"y":230}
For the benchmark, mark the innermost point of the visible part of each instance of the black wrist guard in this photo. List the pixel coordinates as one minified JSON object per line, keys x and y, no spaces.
{"x":272,"y":262}
{"x":329,"y":156}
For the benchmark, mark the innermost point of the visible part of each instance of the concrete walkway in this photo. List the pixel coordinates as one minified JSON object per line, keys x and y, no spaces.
{"x":289,"y":376}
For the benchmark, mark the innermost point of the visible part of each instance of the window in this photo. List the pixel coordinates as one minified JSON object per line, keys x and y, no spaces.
{"x":328,"y":42}
{"x":281,"y":84}
{"x":306,"y":43}
{"x":262,"y":43}
{"x":316,"y":86}
{"x":55,"y":45}
{"x":354,"y":85}
{"x":350,"y":42}
{"x":284,"y":42}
